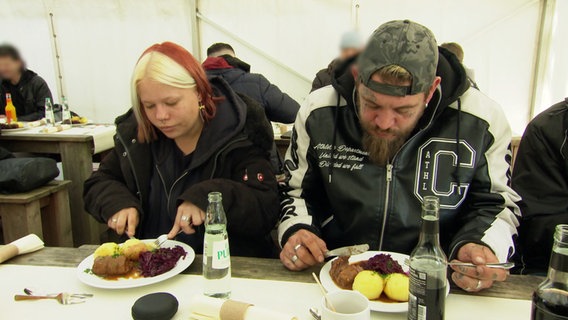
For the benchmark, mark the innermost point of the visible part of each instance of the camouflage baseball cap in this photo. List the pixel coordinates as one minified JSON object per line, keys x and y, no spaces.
{"x":404,"y":43}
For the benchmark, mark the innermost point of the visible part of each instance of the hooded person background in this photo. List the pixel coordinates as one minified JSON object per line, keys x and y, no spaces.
{"x":400,"y":124}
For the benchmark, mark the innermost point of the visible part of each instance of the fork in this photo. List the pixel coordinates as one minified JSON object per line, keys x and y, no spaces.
{"x":163,"y":238}
{"x":30,"y":292}
{"x":160,"y":240}
{"x":503,"y":265}
{"x":62,"y":298}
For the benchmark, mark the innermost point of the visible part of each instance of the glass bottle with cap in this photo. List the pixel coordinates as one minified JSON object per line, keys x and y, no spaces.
{"x":216,"y":254}
{"x":65,"y":112}
{"x":428,"y":268}
{"x":49,"y":116}
{"x":10,"y":110}
{"x":550,"y":300}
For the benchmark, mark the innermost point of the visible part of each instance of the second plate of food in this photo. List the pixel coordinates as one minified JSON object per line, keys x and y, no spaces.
{"x":129,"y":264}
{"x":395,"y":264}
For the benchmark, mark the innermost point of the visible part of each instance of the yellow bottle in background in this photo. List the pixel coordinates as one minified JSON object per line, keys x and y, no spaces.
{"x":10,"y":110}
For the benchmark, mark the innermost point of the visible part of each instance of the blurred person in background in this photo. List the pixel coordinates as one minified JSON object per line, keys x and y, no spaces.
{"x":350,"y":45}
{"x":183,"y":138}
{"x":221,"y":61}
{"x":28,"y":90}
{"x":456,"y":49}
{"x":540,"y":176}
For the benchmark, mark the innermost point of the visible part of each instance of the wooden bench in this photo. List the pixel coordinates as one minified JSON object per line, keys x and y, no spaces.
{"x":43,"y":211}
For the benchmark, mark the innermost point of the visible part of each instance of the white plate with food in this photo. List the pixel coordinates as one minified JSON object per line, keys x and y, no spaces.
{"x":135,"y":263}
{"x":393,"y":279}
{"x":14,"y":127}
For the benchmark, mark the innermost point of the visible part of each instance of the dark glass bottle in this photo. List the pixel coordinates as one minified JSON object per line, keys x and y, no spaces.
{"x":428,"y":268}
{"x":550,"y":300}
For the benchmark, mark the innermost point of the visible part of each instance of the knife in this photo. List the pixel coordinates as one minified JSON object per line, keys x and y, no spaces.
{"x":348,"y":251}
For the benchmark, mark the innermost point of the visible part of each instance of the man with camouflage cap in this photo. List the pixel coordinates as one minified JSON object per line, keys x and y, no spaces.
{"x":399,"y":124}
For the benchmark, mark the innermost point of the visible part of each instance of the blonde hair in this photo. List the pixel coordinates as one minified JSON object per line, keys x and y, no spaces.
{"x":394,"y":75}
{"x":170,"y":64}
{"x":160,"y":68}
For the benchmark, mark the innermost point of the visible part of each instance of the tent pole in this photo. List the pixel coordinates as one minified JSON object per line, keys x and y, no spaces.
{"x":542,"y":53}
{"x":194,"y":25}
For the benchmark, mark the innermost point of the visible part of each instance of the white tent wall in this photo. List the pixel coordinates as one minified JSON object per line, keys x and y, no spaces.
{"x":24,"y":24}
{"x":498,"y":37}
{"x":302,"y":35}
{"x":286,"y":40}
{"x":99,"y":42}
{"x":554,"y":87}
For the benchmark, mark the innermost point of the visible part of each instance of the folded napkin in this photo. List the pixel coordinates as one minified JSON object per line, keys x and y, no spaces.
{"x":56,"y":128}
{"x":36,"y":123}
{"x":27,"y":244}
{"x":207,"y":308}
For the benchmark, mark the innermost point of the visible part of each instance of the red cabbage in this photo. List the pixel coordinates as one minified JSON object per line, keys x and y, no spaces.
{"x":159,"y":261}
{"x":383,"y":264}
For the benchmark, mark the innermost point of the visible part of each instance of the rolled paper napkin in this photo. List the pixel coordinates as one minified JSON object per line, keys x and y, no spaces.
{"x":56,"y":128}
{"x":27,"y":244}
{"x":37,"y":123}
{"x":207,"y":308}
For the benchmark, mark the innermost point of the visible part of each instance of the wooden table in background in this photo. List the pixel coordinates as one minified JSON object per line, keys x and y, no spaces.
{"x":76,"y":153}
{"x":282,"y":146}
{"x":516,"y":287}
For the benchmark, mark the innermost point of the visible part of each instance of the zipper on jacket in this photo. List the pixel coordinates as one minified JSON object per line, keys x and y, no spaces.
{"x":131,"y":166}
{"x":385,"y":212}
{"x":169,"y":193}
{"x":390,"y":166}
{"x":221,"y":151}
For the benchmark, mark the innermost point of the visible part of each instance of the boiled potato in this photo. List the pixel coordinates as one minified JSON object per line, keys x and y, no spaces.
{"x":397,"y":287}
{"x":369,"y":283}
{"x":106,"y":249}
{"x":151,"y":246}
{"x":132,"y":248}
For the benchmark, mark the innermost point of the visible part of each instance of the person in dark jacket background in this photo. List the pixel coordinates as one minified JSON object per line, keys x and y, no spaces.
{"x":400,"y":124}
{"x":28,"y":90}
{"x":350,"y":45}
{"x":540,"y":176}
{"x":221,"y":61}
{"x":183,"y":138}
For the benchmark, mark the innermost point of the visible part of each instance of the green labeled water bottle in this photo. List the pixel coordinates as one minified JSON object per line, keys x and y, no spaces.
{"x":216,"y":254}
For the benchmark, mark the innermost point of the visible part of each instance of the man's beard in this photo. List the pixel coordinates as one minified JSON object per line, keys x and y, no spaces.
{"x":381,"y":150}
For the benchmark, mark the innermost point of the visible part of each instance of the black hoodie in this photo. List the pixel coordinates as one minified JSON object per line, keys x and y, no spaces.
{"x":541,"y":178}
{"x":336,"y":192}
{"x":278,"y":106}
{"x":28,"y":96}
{"x":231,"y":157}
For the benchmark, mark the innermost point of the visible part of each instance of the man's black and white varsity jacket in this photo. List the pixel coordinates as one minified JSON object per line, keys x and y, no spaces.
{"x":459,"y":152}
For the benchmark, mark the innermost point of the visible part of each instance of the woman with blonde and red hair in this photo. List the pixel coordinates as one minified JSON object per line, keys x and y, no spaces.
{"x":184,"y":137}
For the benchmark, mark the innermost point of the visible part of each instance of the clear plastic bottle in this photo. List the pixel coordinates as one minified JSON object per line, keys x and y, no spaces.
{"x":550,"y":300}
{"x":49,"y":116}
{"x":428,"y":268}
{"x":216,"y":254}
